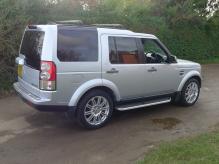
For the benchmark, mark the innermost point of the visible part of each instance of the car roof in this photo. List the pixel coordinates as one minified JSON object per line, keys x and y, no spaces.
{"x":111,"y":31}
{"x":108,"y":31}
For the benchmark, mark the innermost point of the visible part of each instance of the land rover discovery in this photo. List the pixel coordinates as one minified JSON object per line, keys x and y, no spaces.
{"x":90,"y":71}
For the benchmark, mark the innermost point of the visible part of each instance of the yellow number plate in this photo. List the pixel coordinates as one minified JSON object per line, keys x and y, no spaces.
{"x":20,"y":71}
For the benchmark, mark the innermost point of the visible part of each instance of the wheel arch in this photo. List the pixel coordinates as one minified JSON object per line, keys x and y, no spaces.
{"x":91,"y":85}
{"x":199,"y":79}
{"x":192,"y":74}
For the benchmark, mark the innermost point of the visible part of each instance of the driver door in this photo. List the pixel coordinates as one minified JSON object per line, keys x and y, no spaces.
{"x":162,"y":76}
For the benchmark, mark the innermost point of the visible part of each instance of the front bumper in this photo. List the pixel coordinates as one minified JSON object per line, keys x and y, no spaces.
{"x":38,"y":102}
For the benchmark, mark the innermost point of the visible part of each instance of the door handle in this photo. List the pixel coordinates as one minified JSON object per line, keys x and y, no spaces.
{"x":152,"y":69}
{"x":113,"y":70}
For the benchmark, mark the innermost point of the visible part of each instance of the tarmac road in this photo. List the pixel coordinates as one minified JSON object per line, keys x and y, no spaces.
{"x":30,"y":137}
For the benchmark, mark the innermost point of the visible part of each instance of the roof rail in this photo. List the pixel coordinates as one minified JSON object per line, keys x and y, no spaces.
{"x":68,"y":22}
{"x":118,"y":26}
{"x":80,"y":23}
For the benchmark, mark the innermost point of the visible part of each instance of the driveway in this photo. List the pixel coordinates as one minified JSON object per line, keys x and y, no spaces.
{"x":28,"y":136}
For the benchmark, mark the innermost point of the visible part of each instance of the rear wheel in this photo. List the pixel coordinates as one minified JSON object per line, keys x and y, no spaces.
{"x":95,"y":109}
{"x":190,"y":92}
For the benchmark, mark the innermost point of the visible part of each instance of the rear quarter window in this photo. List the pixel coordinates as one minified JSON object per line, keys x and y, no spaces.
{"x":77,"y":44}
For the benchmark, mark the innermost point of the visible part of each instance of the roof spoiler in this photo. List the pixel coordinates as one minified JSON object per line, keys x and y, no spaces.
{"x":32,"y":27}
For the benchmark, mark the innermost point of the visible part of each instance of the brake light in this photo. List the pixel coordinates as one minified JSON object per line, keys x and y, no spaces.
{"x":48,"y":76}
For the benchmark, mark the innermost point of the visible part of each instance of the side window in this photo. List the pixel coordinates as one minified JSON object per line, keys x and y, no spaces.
{"x":77,"y":45}
{"x":153,"y":51}
{"x":123,"y":50}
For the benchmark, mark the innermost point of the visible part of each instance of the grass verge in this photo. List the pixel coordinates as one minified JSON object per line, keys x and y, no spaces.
{"x":198,"y":150}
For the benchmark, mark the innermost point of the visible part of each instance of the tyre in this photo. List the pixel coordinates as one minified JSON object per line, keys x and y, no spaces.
{"x":190,"y":92}
{"x":94,"y":109}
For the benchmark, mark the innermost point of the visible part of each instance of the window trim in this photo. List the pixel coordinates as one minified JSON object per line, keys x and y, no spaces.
{"x":117,"y":56}
{"x":140,"y":57}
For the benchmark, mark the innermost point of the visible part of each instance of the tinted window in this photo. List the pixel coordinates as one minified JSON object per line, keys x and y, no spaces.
{"x":126,"y":50}
{"x":154,"y":53}
{"x":31,"y":48}
{"x":151,"y":45}
{"x":76,"y":44}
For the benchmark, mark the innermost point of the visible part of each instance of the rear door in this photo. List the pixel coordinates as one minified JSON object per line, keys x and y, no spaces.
{"x":30,"y":52}
{"x":78,"y":60}
{"x":122,"y":65}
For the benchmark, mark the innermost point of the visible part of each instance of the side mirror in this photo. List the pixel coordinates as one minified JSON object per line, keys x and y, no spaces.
{"x":149,"y":55}
{"x":172,"y":59}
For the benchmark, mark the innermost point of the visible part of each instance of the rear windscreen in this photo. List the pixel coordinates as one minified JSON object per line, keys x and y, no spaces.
{"x":77,"y":44}
{"x":31,"y":48}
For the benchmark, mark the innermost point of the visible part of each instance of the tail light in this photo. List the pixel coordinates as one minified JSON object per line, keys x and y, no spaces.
{"x":48,"y":76}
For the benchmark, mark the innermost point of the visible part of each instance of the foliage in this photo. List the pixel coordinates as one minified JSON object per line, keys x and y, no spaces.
{"x":14,"y":16}
{"x":183,"y":25}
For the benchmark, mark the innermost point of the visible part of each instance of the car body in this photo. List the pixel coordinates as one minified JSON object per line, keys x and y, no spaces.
{"x":60,"y":64}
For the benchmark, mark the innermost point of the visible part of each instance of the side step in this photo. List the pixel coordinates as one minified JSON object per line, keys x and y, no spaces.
{"x":143,"y":104}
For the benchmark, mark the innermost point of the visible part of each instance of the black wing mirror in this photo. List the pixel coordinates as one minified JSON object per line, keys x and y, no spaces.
{"x":172,"y":59}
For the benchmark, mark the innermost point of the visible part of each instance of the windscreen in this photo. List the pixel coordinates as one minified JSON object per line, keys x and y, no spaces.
{"x":31,"y":48}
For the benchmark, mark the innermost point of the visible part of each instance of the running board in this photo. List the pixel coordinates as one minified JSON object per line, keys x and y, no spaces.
{"x":143,"y":104}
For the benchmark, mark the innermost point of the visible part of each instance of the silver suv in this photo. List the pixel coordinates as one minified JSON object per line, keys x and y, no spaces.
{"x":90,"y":71}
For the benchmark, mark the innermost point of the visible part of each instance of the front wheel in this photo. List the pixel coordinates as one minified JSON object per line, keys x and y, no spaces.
{"x":95,"y":109}
{"x":190,"y":92}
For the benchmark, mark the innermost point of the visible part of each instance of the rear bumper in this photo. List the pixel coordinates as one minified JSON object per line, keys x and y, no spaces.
{"x":39,"y":103}
{"x":25,"y":94}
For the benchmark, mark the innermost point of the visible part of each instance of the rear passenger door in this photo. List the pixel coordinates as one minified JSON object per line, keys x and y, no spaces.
{"x":122,"y":64}
{"x":78,"y":59}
